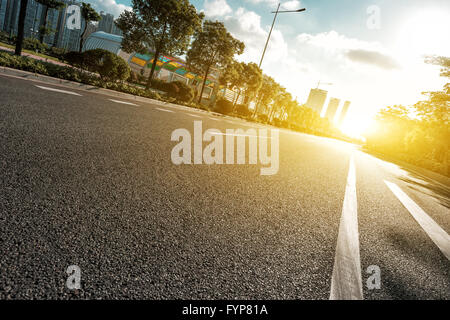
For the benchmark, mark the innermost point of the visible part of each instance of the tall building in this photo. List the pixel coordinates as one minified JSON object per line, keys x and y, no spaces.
{"x":333,"y":106}
{"x":316,"y":99}
{"x":3,"y":4}
{"x":344,"y":112}
{"x":106,"y":24}
{"x":34,"y":18}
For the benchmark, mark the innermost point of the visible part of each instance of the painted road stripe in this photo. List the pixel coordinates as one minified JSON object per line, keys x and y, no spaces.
{"x":123,"y":102}
{"x":346,"y":283}
{"x":239,"y":135}
{"x":434,"y":231}
{"x":213,"y":119}
{"x":165,"y":110}
{"x":193,"y":115}
{"x":58,"y":90}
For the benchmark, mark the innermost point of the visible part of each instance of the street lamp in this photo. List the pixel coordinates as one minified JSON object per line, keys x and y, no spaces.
{"x":273,"y":23}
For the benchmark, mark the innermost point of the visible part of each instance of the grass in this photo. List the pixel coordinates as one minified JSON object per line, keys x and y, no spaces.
{"x":7,"y":45}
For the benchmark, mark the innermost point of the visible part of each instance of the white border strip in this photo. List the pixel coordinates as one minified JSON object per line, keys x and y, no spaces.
{"x":346,"y":283}
{"x":433,"y":230}
{"x":123,"y":102}
{"x":165,"y":110}
{"x":58,"y":90}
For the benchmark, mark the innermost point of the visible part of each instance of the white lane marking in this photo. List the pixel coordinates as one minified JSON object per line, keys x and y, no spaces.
{"x":165,"y":110}
{"x":433,"y":230}
{"x":346,"y":282}
{"x":193,"y":115}
{"x":123,"y":102}
{"x":239,"y":135}
{"x":58,"y":90}
{"x":213,"y":119}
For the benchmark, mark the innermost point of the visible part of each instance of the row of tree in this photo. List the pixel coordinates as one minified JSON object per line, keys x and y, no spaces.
{"x":174,"y":27}
{"x":420,"y":133}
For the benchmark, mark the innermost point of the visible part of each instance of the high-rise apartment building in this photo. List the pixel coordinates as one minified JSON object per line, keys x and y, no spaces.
{"x":333,"y":106}
{"x":344,"y":112}
{"x":316,"y":99}
{"x":106,"y":24}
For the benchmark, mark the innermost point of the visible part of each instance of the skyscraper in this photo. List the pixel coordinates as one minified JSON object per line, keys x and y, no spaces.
{"x":316,"y":99}
{"x":344,"y":112}
{"x":106,"y":23}
{"x":333,"y":106}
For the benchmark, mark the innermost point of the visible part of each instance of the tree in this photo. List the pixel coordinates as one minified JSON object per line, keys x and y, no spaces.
{"x":266,"y":93}
{"x":251,"y":79}
{"x":165,"y":27}
{"x":20,"y":27}
{"x":213,"y":47}
{"x":48,"y":4}
{"x":88,"y":14}
{"x":230,"y":75}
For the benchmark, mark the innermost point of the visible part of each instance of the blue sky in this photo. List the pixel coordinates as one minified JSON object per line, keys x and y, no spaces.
{"x":371,"y":50}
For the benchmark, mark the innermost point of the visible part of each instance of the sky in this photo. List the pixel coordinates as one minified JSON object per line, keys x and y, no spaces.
{"x":371,"y":51}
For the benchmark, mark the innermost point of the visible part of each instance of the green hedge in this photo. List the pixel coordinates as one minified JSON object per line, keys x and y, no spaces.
{"x":224,"y":106}
{"x":177,"y":92}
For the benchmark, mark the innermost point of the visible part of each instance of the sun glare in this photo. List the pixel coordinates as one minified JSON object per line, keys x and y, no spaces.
{"x":355,"y":126}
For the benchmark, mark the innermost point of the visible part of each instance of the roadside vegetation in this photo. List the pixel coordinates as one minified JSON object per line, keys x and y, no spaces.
{"x":418,"y":134}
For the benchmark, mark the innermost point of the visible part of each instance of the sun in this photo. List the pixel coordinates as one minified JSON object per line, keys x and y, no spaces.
{"x":425,"y":32}
{"x":356,"y":125}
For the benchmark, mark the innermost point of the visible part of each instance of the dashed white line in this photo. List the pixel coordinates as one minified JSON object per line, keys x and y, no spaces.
{"x":239,"y":135}
{"x":193,"y":115}
{"x":58,"y":90}
{"x":346,"y":282}
{"x":165,"y":110}
{"x":433,"y":230}
{"x":123,"y":102}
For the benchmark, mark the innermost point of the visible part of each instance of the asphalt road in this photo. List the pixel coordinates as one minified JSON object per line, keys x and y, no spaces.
{"x":88,"y":181}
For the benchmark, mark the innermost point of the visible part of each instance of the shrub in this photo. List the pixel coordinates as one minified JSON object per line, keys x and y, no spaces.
{"x":181,"y":91}
{"x":264,"y":118}
{"x":224,"y":106}
{"x":242,"y":110}
{"x":4,"y":36}
{"x":57,"y":52}
{"x":74,"y":58}
{"x":34,"y":45}
{"x":109,"y":66}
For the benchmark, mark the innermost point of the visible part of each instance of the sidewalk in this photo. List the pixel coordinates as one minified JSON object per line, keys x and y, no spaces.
{"x":35,"y":57}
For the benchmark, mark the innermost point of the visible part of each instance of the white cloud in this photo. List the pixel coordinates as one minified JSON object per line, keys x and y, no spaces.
{"x":291,"y":5}
{"x":364,"y":72}
{"x":216,"y":8}
{"x":109,"y":6}
{"x":287,"y":5}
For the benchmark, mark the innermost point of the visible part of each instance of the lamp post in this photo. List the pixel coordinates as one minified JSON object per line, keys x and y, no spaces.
{"x":271,"y":28}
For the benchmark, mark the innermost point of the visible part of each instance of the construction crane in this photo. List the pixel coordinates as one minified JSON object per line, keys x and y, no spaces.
{"x":325,"y":83}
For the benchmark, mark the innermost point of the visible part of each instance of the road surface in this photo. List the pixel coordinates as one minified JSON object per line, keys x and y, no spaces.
{"x":88,"y":180}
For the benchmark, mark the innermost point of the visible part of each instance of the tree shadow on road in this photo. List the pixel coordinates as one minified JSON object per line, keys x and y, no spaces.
{"x":421,"y":180}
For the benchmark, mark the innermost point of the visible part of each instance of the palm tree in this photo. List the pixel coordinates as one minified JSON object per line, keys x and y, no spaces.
{"x":21,"y":26}
{"x":89,"y":14}
{"x":48,"y":4}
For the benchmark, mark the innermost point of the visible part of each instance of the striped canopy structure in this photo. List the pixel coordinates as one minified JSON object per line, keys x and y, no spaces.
{"x":168,"y":63}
